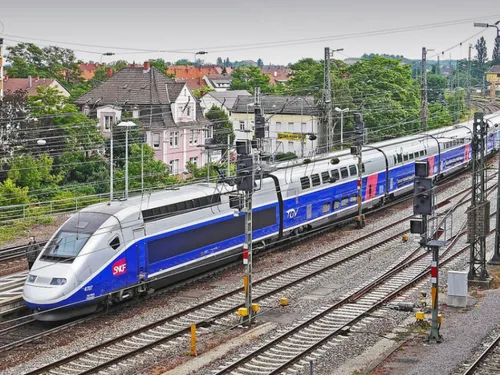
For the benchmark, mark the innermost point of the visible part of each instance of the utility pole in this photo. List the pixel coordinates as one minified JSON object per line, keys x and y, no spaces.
{"x":423,"y":92}
{"x":423,"y":204}
{"x":1,"y":68}
{"x":496,"y":254}
{"x":324,"y":130}
{"x":478,"y":215}
{"x":438,"y":67}
{"x":245,"y":180}
{"x":357,"y":149}
{"x":469,"y":78}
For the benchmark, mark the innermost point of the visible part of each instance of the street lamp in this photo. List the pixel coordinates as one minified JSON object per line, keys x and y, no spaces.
{"x":199,"y":53}
{"x":341,"y":111}
{"x":126,"y":124}
{"x":479,"y":24}
{"x":107,"y":54}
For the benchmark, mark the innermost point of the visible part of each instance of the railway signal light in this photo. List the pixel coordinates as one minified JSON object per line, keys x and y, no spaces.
{"x":423,"y":196}
{"x":244,"y":173}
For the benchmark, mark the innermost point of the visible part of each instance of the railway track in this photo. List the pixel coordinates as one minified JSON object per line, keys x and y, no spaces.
{"x":15,"y":252}
{"x":163,"y":333}
{"x":488,"y":362}
{"x":486,"y":106}
{"x":320,"y":332}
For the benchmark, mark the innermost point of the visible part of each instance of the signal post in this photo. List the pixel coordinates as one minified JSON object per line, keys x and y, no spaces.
{"x":245,"y":182}
{"x":423,"y":205}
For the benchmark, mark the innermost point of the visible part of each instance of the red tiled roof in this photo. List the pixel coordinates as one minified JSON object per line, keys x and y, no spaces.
{"x":88,"y":70}
{"x":275,"y":74}
{"x":14,"y":84}
{"x":190,"y":72}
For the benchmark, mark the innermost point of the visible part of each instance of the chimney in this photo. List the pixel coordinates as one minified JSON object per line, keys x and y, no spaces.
{"x":109,"y":72}
{"x":30,"y":82}
{"x":37,"y":79}
{"x":147,"y":67}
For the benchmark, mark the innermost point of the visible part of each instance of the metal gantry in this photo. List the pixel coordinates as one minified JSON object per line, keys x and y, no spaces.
{"x":478,"y":215}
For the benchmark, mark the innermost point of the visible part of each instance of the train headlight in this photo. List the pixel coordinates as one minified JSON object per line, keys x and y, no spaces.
{"x":58,"y":281}
{"x":31,"y":278}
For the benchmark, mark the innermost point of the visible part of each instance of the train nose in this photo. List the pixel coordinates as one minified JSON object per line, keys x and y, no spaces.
{"x":43,"y":286}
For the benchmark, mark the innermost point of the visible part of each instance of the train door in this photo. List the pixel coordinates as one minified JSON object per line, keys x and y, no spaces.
{"x":142,"y":261}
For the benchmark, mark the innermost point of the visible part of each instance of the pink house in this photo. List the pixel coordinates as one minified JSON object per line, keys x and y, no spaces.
{"x":170,"y":117}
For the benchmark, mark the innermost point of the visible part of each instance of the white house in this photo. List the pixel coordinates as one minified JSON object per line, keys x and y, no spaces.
{"x":291,"y":120}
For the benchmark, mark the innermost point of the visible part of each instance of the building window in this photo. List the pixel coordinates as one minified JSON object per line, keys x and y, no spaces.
{"x":188,"y":112}
{"x":193,"y":137}
{"x":291,"y":147}
{"x":278,"y":126}
{"x":194,"y":160}
{"x":290,"y":125}
{"x":174,"y":139}
{"x":174,"y":166}
{"x":242,"y":125}
{"x":108,"y":121}
{"x":156,"y":140}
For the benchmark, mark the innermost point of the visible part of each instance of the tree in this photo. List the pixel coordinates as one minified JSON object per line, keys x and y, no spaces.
{"x":100,"y":74}
{"x":155,"y":171}
{"x":198,"y":93}
{"x":481,"y":53}
{"x":385,"y":92}
{"x":33,"y":172}
{"x":227,"y":63}
{"x":10,"y":194}
{"x":119,"y":65}
{"x":159,"y":64}
{"x":12,"y":117}
{"x":222,"y":126}
{"x":27,"y":59}
{"x":249,"y":77}
{"x":219,"y":61}
{"x":307,"y":78}
{"x":496,"y":51}
{"x":435,"y":87}
{"x":260,"y":63}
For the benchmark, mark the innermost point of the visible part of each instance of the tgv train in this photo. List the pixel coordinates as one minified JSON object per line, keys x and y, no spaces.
{"x":109,"y":252}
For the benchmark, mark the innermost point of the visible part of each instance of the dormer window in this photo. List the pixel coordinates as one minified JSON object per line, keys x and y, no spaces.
{"x":108,"y":121}
{"x":188,"y":111}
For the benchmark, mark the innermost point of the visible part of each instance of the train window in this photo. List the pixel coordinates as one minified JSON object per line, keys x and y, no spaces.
{"x":395,"y":160}
{"x":115,"y":243}
{"x":400,"y":158}
{"x":305,"y":183}
{"x":325,"y":176}
{"x":315,"y":180}
{"x":173,"y":209}
{"x":343,"y":172}
{"x":363,"y":168}
{"x":422,"y":153}
{"x":345,"y":201}
{"x":410,"y":156}
{"x":405,"y":157}
{"x":353,"y":170}
{"x":354,"y":198}
{"x":335,"y":174}
{"x":326,"y":207}
{"x":336,"y":205}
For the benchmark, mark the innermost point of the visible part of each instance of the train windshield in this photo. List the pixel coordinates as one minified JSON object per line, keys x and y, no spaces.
{"x":73,"y":235}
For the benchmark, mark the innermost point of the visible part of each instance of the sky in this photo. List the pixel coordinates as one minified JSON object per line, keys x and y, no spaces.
{"x":245,"y":30}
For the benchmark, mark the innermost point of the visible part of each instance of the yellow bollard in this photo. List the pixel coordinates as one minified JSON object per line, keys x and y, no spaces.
{"x":405,"y":238}
{"x":193,"y":340}
{"x":419,"y":315}
{"x":283,"y":301}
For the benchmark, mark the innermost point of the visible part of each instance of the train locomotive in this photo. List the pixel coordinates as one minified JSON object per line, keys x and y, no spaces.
{"x":110,"y":252}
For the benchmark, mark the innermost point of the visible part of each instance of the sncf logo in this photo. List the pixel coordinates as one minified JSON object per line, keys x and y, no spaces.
{"x":119,"y":267}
